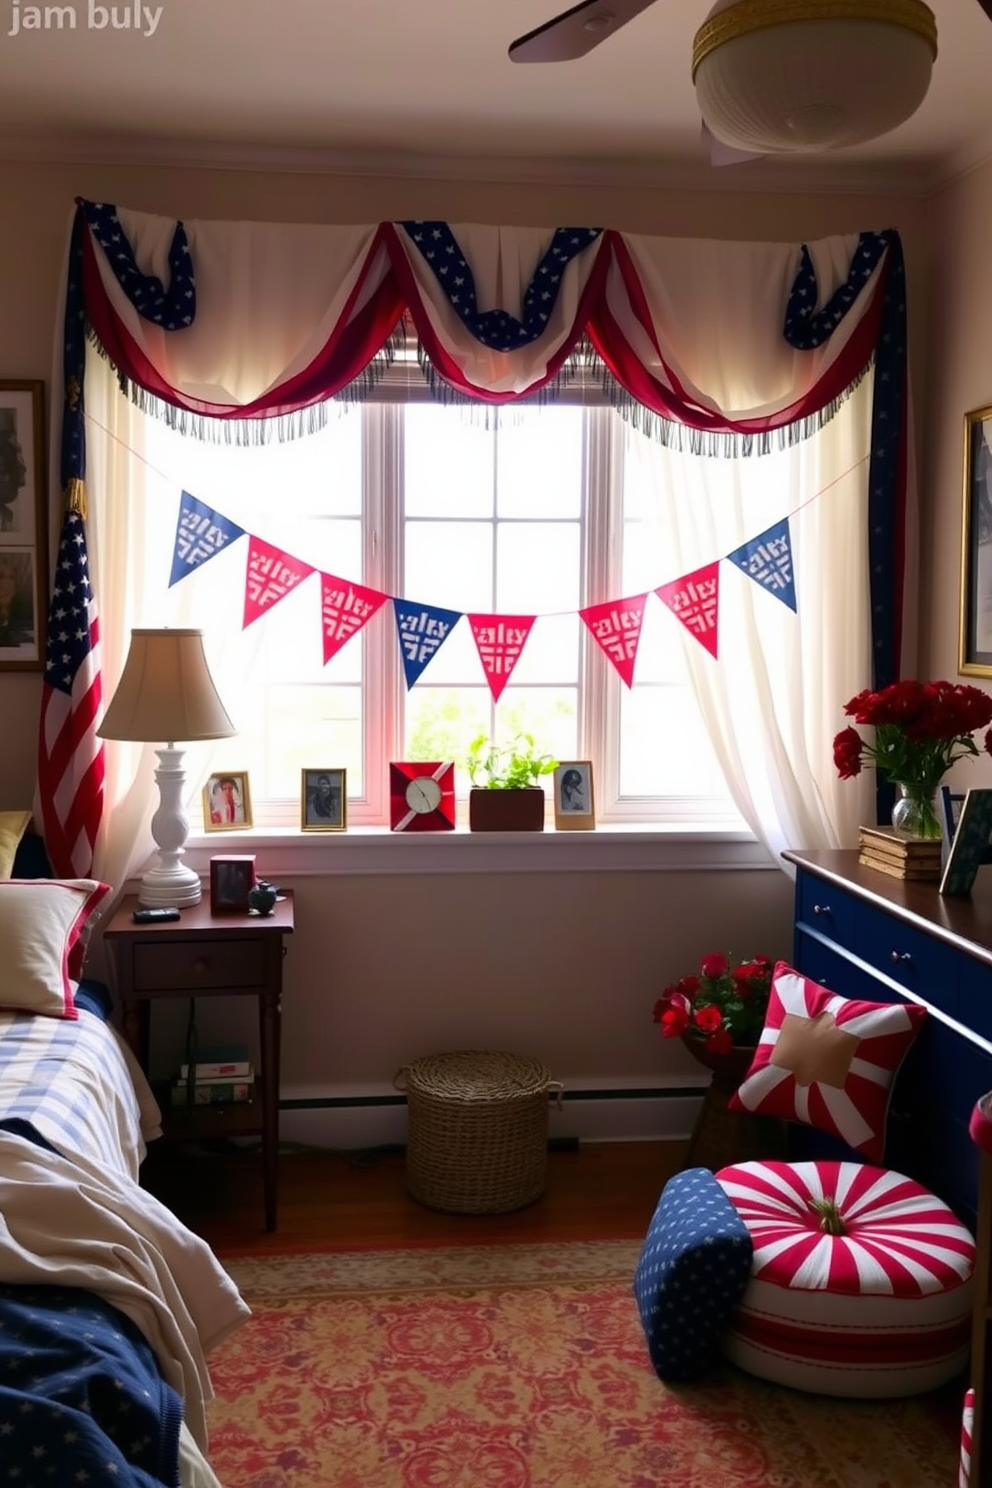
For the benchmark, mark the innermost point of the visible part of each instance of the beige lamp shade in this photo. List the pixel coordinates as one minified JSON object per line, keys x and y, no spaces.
{"x":781,"y":76}
{"x":166,"y":692}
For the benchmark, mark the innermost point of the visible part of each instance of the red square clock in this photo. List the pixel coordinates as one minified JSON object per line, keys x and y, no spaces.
{"x":422,"y":796}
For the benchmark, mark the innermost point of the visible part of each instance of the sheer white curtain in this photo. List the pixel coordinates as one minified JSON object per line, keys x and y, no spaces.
{"x":772,"y":701}
{"x":133,"y":506}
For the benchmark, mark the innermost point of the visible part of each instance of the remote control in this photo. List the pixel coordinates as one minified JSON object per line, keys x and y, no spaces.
{"x":153,"y":916}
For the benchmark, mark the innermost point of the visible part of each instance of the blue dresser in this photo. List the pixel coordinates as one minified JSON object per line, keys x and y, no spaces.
{"x":864,"y":934}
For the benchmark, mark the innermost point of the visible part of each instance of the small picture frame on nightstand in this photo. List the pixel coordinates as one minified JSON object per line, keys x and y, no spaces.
{"x":232,"y":879}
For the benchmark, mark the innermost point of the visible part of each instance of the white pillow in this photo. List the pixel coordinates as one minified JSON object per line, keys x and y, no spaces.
{"x":41,"y":921}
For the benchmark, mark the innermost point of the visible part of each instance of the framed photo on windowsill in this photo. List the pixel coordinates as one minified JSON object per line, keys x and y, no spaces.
{"x":575,"y":808}
{"x":23,"y":528}
{"x":227,"y":802}
{"x":975,"y":629}
{"x":324,"y":801}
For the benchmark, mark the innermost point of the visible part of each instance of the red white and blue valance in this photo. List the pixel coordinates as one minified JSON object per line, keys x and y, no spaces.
{"x":243,"y":321}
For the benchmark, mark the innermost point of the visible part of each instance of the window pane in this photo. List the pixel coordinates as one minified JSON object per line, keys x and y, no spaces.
{"x":539,"y":462}
{"x":441,"y":723}
{"x":449,"y":564}
{"x":549,"y":713}
{"x":448,"y":462}
{"x":552,"y":651}
{"x":538,"y":567}
{"x":664,"y":750}
{"x":285,"y":729}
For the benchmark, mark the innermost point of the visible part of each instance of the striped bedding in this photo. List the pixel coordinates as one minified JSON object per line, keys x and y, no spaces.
{"x":75,"y":1085}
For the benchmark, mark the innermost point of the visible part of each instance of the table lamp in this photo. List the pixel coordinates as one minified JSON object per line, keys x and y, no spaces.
{"x":166,"y":692}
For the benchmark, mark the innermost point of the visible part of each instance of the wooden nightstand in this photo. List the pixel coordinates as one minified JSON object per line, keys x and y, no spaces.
{"x":205,"y":955}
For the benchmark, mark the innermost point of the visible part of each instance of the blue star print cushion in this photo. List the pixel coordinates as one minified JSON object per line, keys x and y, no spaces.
{"x":693,"y":1268}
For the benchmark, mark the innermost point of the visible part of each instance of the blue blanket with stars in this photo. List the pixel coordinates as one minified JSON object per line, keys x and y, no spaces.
{"x":81,"y":1397}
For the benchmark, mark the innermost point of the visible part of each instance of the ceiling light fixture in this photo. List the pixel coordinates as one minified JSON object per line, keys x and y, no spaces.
{"x":781,"y":76}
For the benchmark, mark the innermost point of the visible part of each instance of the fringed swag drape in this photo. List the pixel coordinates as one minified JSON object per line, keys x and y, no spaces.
{"x":711,"y":347}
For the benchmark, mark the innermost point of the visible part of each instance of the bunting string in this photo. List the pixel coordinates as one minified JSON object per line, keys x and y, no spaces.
{"x":271,"y":573}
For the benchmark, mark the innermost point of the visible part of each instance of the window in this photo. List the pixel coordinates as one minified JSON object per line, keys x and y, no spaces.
{"x":529,"y":510}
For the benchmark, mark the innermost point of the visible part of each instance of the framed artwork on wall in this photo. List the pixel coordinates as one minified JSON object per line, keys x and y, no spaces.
{"x":975,"y":631}
{"x":23,"y":528}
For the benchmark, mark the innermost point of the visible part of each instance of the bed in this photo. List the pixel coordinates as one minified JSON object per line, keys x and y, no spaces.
{"x":109,"y":1305}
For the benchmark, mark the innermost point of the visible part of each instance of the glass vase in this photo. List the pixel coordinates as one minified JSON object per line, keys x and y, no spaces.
{"x":916,"y":812}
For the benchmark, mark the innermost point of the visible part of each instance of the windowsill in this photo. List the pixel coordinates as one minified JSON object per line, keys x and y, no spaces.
{"x":368,"y":850}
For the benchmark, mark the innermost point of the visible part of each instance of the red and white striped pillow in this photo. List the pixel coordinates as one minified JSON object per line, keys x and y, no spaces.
{"x":828,"y":1061}
{"x":42,"y":941}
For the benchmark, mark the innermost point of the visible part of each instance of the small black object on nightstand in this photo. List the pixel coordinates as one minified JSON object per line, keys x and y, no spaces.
{"x":154,"y":916}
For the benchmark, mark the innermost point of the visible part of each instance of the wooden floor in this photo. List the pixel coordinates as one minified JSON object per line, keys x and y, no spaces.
{"x":604,"y":1190}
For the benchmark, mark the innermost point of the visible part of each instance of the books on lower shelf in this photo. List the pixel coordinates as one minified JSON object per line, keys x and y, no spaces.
{"x":214,"y":1092}
{"x":223,"y":1062}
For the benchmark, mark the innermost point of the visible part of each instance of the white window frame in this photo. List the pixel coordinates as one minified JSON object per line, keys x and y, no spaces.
{"x":599,"y":685}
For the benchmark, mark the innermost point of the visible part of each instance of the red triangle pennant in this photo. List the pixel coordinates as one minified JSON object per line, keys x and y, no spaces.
{"x":616,"y":625}
{"x":344,"y":608}
{"x":271,"y":575}
{"x":500,"y":639}
{"x":695,"y":600}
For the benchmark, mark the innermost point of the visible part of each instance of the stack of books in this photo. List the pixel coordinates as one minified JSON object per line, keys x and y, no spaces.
{"x":900,"y":856}
{"x":220,"y":1077}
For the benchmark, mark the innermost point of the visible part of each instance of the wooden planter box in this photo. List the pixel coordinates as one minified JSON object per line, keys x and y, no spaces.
{"x":506,"y":810}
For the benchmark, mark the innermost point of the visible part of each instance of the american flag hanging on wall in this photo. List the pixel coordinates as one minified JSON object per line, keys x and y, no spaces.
{"x":69,"y":802}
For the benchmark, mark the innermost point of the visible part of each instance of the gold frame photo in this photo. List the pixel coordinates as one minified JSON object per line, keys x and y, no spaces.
{"x":975,"y":626}
{"x":23,"y":527}
{"x":574,"y":799}
{"x":323,"y":810}
{"x":227,"y":810}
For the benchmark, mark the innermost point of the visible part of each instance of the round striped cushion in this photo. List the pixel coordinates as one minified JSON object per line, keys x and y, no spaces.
{"x":881,"y":1308}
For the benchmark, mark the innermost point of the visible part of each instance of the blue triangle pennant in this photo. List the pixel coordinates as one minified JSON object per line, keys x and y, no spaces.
{"x":201,"y":533}
{"x":423,"y":629}
{"x":768,"y":560}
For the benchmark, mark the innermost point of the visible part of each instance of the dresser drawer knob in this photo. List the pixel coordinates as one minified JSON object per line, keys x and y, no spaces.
{"x":819,"y":909}
{"x":901,"y":956}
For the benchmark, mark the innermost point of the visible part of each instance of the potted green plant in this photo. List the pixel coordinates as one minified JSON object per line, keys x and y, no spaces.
{"x":506,"y":795}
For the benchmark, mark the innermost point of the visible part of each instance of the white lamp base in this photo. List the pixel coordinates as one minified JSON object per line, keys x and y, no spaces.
{"x":171,"y":884}
{"x":170,"y":890}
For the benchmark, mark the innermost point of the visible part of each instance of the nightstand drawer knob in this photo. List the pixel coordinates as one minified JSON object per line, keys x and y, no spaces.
{"x":201,"y":965}
{"x":901,"y":956}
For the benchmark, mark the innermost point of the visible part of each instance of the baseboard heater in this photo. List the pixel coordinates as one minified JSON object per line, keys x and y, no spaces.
{"x":353,"y":1102}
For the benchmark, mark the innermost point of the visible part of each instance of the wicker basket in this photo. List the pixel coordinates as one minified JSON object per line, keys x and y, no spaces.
{"x":477,"y":1140}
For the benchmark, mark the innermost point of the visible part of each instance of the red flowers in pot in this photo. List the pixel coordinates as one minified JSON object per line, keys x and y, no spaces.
{"x":724,"y":1005}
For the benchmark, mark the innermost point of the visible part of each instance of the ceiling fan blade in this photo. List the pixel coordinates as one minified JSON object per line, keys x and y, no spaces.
{"x":576,"y":31}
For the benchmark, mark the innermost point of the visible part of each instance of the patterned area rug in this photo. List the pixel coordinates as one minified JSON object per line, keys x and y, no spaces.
{"x":520,"y":1366}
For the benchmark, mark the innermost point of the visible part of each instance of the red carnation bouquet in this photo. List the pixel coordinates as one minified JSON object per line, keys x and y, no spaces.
{"x":921,"y":729}
{"x":724,"y":1004}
